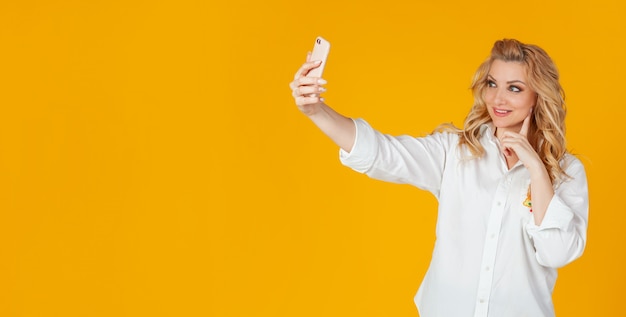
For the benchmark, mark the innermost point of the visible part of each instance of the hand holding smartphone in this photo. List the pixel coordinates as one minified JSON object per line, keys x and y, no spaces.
{"x":320,"y":53}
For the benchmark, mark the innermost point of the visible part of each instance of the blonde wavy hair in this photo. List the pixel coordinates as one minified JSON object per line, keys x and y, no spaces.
{"x":547,"y":127}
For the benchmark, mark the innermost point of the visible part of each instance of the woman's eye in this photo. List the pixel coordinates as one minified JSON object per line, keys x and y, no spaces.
{"x":515,"y":89}
{"x":490,"y":83}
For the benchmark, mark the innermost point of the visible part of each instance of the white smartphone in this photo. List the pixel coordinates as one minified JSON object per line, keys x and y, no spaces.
{"x":320,"y":53}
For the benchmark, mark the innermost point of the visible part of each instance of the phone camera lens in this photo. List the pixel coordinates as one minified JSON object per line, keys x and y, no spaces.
{"x":319,"y":41}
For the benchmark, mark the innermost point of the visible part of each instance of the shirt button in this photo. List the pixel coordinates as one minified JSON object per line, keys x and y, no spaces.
{"x":492,"y":236}
{"x":487,"y":268}
{"x":482,"y":301}
{"x":499,"y":203}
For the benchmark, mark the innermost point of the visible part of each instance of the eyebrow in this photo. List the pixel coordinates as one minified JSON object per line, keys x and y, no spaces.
{"x":509,"y":82}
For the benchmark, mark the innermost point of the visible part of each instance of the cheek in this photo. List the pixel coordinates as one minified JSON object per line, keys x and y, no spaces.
{"x":527,"y":102}
{"x":488,"y":96}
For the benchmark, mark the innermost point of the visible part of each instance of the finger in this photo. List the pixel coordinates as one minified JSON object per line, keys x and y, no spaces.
{"x":308,"y":90}
{"x":306,"y":85}
{"x":526,"y":124}
{"x":307,"y":100}
{"x":510,"y":136}
{"x":306,"y":81}
{"x":306,"y":68}
{"x":506,"y":144}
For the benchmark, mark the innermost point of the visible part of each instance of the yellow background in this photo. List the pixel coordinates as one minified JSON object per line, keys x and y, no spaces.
{"x":153,"y":163}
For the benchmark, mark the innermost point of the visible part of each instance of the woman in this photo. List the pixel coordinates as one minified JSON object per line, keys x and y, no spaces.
{"x":513,"y":204}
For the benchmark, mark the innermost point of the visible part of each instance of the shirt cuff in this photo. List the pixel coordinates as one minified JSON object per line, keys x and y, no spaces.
{"x":558,"y":216}
{"x":361,"y":158}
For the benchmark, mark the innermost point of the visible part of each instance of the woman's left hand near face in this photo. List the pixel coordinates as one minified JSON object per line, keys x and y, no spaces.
{"x":517,"y":144}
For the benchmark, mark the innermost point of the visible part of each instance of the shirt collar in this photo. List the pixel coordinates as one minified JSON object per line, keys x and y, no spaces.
{"x":488,"y":130}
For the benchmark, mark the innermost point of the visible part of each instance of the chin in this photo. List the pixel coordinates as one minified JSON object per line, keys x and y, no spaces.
{"x":503,"y":124}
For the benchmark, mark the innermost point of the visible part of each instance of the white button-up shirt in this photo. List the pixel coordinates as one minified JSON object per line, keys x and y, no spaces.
{"x":489,"y":259}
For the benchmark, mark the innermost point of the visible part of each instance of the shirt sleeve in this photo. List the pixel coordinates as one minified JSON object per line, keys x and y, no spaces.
{"x":562,"y":235}
{"x":403,"y":159}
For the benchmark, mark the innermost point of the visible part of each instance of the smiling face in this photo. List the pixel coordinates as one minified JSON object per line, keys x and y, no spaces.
{"x":507,"y":96}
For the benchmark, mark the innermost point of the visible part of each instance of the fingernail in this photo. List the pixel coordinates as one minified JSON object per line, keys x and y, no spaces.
{"x":321,"y":81}
{"x":321,"y":89}
{"x":318,"y":62}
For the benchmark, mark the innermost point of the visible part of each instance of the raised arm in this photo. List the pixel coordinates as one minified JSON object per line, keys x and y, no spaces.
{"x":306,"y":92}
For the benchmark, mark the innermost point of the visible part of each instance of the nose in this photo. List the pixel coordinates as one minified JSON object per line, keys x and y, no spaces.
{"x":498,"y":97}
